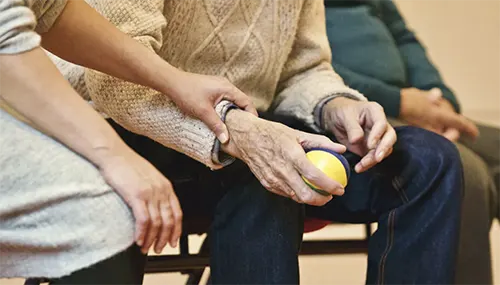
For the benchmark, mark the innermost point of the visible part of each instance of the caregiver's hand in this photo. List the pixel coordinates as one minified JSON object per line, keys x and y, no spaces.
{"x":197,"y":95}
{"x":158,"y":215}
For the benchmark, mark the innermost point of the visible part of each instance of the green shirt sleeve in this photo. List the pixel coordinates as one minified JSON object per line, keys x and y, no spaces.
{"x":422,"y":73}
{"x":386,"y":95}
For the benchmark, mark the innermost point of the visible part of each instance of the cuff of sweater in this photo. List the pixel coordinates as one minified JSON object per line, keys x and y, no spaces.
{"x":318,"y":110}
{"x":47,"y":13}
{"x":304,"y":97}
{"x":20,"y":43}
{"x":219,"y":157}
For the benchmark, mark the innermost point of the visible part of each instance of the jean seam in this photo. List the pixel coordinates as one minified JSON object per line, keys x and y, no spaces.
{"x":390,"y":241}
{"x":402,"y":194}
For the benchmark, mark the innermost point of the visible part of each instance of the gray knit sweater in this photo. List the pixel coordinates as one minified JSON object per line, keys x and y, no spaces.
{"x":57,"y":214}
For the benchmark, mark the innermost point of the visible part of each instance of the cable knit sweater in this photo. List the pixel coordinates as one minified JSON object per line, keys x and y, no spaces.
{"x":276,"y":51}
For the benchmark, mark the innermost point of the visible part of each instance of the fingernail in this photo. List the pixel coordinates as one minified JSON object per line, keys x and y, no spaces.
{"x":358,"y":168}
{"x":223,"y":138}
{"x":380,"y":155}
{"x":339,"y":191}
{"x":139,"y":242}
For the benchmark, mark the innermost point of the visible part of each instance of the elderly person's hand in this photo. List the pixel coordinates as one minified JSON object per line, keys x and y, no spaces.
{"x":275,"y":154}
{"x":428,"y":110}
{"x":362,"y":126}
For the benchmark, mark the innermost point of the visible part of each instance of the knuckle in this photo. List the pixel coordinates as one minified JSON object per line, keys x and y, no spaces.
{"x":167,"y":185}
{"x":169,"y":224}
{"x":144,"y":193}
{"x":375,"y":106}
{"x":296,"y":154}
{"x":273,"y":183}
{"x":312,"y":175}
{"x":178,"y":218}
{"x":142,"y":220}
{"x":305,"y":196}
{"x":156,"y":222}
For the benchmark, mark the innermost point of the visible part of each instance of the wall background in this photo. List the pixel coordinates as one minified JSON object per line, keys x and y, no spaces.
{"x":463,"y":39}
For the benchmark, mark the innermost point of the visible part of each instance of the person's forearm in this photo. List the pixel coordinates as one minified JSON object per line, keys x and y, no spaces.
{"x":82,"y":36}
{"x":32,"y":86}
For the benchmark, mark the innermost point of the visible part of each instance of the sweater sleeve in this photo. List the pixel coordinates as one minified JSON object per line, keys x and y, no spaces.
{"x":140,"y":109}
{"x":17,"y":24}
{"x":308,"y":78}
{"x":388,"y":96}
{"x":422,"y":74}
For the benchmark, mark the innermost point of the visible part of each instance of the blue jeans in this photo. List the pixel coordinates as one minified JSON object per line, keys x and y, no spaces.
{"x":415,"y":195}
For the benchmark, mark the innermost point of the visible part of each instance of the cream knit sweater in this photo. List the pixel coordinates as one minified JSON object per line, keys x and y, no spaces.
{"x":276,"y":51}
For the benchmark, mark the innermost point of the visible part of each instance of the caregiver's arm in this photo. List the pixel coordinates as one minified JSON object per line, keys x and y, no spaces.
{"x":82,"y":36}
{"x":32,"y":85}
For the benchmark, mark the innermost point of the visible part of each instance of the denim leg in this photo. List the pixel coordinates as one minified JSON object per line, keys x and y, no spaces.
{"x":255,"y":237}
{"x":415,"y":196}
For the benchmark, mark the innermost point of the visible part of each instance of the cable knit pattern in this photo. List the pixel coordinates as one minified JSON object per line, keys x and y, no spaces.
{"x":276,"y":51}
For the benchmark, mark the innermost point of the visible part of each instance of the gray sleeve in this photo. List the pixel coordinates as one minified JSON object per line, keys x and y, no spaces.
{"x":17,"y":24}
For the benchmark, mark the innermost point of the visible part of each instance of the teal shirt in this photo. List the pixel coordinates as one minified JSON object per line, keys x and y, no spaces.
{"x":376,"y":53}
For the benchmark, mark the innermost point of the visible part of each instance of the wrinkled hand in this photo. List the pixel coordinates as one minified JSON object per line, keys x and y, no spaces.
{"x":428,"y":110}
{"x":275,"y":154}
{"x":158,"y":215}
{"x":197,"y":95}
{"x":362,"y":126}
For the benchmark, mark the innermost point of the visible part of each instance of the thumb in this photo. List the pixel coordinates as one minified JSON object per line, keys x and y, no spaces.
{"x":215,"y":124}
{"x":434,"y":94}
{"x":451,"y":134}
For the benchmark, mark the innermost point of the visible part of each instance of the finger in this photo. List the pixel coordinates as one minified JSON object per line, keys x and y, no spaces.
{"x":141,"y":216}
{"x":289,"y":192}
{"x":277,"y":186}
{"x":240,"y":99}
{"x":354,"y":131}
{"x":154,"y":225}
{"x":387,"y":142}
{"x":215,"y":124}
{"x":376,"y":133}
{"x":177,"y":212}
{"x":306,"y":194}
{"x":451,"y":134}
{"x":310,"y":141}
{"x":389,"y":152}
{"x":367,"y":162}
{"x":459,"y":122}
{"x":166,"y":226}
{"x":315,"y":176}
{"x":470,"y":128}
